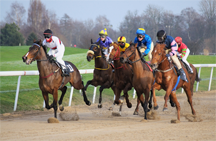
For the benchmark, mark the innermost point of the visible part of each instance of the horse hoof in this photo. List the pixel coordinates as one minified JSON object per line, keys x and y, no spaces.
{"x":88,"y":103}
{"x":135,"y":113}
{"x":150,"y":105}
{"x":99,"y":105}
{"x":61,"y":108}
{"x":165,"y":109}
{"x":172,"y":104}
{"x":156,"y":107}
{"x":129,"y":105}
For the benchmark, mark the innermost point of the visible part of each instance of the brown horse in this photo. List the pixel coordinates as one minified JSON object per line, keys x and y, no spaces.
{"x":103,"y":75}
{"x":142,"y":77}
{"x":51,"y":79}
{"x":123,"y":77}
{"x":166,"y":77}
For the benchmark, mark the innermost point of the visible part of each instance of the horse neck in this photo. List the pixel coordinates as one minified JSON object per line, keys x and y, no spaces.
{"x":44,"y":67}
{"x":100,"y":62}
{"x":165,"y":65}
{"x":137,"y":66}
{"x":117,"y":62}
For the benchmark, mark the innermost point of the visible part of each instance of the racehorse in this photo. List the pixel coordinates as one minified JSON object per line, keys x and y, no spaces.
{"x":51,"y":79}
{"x":142,"y":76}
{"x":166,"y":77}
{"x":103,"y":74}
{"x":123,"y":77}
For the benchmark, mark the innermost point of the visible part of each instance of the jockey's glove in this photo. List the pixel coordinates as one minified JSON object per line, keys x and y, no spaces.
{"x":168,"y":55}
{"x":144,"y":54}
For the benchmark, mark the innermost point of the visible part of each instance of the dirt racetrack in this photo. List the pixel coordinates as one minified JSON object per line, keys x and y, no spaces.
{"x":99,"y":124}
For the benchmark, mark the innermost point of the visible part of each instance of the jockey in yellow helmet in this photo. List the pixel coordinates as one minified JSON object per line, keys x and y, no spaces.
{"x":122,"y":43}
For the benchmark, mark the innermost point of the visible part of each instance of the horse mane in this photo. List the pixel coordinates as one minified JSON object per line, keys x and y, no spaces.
{"x":40,"y":43}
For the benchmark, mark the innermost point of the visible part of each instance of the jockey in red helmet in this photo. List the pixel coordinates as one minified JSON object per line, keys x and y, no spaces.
{"x":183,"y":52}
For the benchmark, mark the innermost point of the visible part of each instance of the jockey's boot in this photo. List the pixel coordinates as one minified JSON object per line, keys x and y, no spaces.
{"x":190,"y":70}
{"x":182,"y":75}
{"x":65,"y":72}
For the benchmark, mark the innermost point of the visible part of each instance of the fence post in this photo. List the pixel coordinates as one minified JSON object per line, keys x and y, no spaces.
{"x":71,"y":94}
{"x":210,"y":79}
{"x":94,"y":94}
{"x":199,"y":77}
{"x":17,"y":93}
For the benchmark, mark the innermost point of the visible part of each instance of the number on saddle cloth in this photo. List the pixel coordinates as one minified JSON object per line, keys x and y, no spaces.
{"x":67,"y":65}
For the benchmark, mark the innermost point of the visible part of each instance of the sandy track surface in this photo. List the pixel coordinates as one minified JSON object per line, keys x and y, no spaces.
{"x":99,"y":124}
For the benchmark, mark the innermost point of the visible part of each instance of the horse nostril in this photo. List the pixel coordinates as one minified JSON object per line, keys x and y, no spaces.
{"x":24,"y":59}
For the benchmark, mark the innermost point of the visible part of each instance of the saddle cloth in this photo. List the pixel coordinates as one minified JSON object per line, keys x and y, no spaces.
{"x":67,"y":65}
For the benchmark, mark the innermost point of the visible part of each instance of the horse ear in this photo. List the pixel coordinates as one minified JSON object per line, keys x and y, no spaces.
{"x":91,"y":41}
{"x":40,"y":42}
{"x":136,"y":44}
{"x":34,"y":41}
{"x":130,"y":42}
{"x":98,"y":42}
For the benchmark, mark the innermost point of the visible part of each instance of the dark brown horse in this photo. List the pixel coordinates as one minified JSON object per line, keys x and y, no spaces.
{"x":166,"y":77}
{"x":103,"y":75}
{"x":142,"y":76}
{"x":51,"y":79}
{"x":123,"y":77}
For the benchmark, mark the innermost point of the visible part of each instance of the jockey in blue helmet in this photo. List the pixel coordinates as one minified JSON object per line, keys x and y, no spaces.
{"x":143,"y":41}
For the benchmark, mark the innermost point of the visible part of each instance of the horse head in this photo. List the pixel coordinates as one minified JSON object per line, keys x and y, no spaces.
{"x":115,"y":53}
{"x":158,"y":55}
{"x":33,"y":53}
{"x":94,"y":50}
{"x":129,"y":53}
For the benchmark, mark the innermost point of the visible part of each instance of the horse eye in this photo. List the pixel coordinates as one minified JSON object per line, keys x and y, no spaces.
{"x":159,"y":54}
{"x":36,"y":49}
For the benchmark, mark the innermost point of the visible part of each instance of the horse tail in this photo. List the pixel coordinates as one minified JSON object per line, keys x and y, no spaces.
{"x":197,"y":77}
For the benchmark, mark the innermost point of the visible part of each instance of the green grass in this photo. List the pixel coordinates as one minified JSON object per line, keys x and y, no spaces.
{"x":30,"y":96}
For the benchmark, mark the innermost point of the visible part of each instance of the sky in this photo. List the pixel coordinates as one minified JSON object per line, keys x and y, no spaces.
{"x":114,"y":10}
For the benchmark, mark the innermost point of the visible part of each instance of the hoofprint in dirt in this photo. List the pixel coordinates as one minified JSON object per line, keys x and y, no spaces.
{"x":99,"y":124}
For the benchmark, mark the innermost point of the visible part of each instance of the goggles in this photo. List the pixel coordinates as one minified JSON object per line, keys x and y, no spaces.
{"x":139,"y":36}
{"x":47,"y":35}
{"x":102,"y":36}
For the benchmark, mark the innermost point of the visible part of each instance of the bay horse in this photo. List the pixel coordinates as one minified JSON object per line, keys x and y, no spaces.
{"x":51,"y":79}
{"x":166,"y":77}
{"x":142,"y":77}
{"x":102,"y":75}
{"x":122,"y":78}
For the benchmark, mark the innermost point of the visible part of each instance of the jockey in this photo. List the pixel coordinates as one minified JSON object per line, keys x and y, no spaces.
{"x":171,"y":44}
{"x":122,"y":43}
{"x":183,"y":52}
{"x":57,"y":49}
{"x":105,"y":43}
{"x":144,"y":40}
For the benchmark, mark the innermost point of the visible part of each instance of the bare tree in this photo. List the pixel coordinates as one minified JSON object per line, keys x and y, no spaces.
{"x":16,"y":15}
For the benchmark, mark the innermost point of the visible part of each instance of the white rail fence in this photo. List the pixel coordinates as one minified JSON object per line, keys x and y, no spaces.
{"x":23,"y":73}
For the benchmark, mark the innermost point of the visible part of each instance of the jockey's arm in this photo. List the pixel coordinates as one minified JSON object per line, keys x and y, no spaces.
{"x":60,"y":50}
{"x":148,"y":45}
{"x":174,"y":48}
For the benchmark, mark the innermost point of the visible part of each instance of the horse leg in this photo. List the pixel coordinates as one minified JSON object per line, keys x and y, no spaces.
{"x":126,"y":89}
{"x":88,"y":83}
{"x":174,"y":99}
{"x":64,"y":89}
{"x":150,"y":100}
{"x":137,"y":107}
{"x":79,"y":85}
{"x":55,"y":99}
{"x":157,"y":87}
{"x":46,"y":99}
{"x":189,"y":96}
{"x":166,"y":97}
{"x":106,"y":85}
{"x":171,"y":102}
{"x":146,"y":92}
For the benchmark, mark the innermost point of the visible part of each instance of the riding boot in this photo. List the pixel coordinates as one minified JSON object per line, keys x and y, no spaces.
{"x":190,"y":70}
{"x":182,"y":75}
{"x":65,"y":72}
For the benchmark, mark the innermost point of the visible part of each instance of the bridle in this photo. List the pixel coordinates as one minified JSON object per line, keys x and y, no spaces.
{"x":129,"y":61}
{"x":37,"y":53}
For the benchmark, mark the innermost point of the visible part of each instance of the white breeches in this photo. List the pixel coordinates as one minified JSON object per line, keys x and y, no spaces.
{"x":186,"y":56}
{"x":150,"y":52}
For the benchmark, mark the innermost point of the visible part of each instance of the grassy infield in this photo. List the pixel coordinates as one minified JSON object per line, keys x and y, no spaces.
{"x":10,"y":58}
